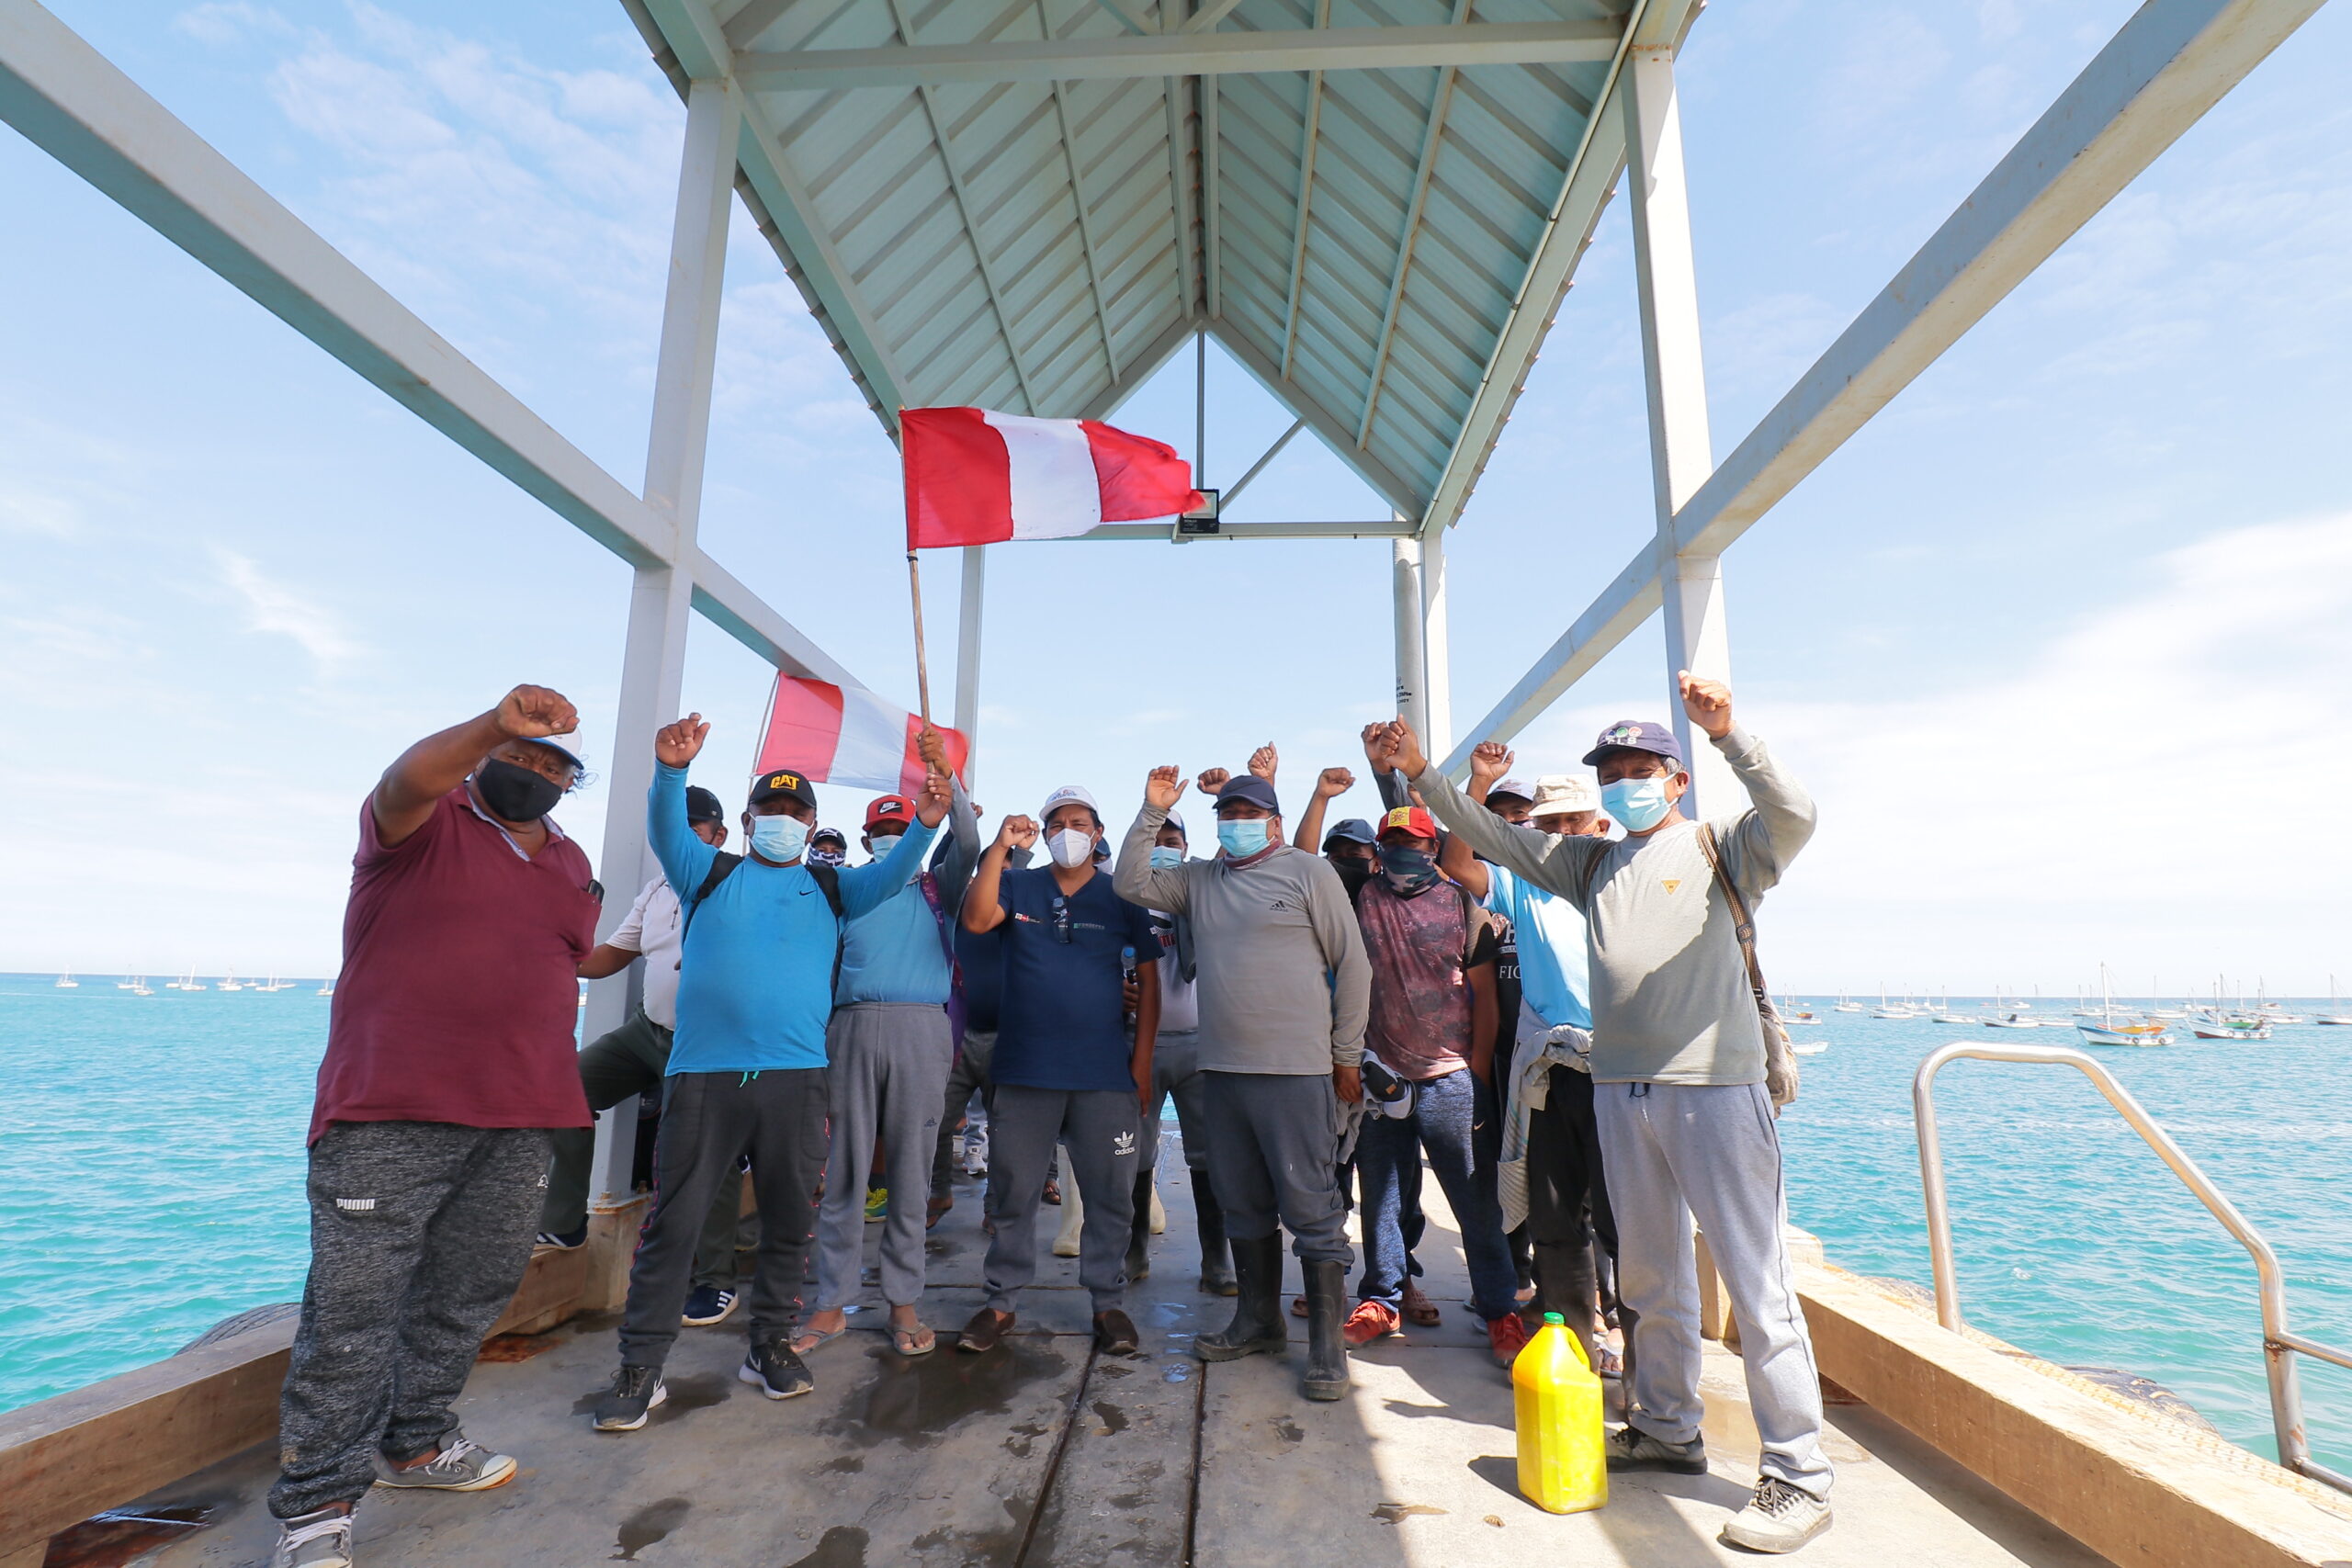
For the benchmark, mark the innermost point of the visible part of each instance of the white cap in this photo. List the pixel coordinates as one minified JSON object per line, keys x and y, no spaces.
{"x":1176,"y":822}
{"x":567,"y":744}
{"x":1558,"y":793}
{"x":1519,"y":787}
{"x":1067,"y":795}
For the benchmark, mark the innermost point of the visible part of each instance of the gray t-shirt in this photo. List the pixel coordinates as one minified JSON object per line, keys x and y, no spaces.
{"x":1284,"y":984}
{"x":1670,"y":998}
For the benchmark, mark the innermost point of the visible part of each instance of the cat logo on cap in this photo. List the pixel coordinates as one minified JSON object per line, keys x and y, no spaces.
{"x":784,"y":781}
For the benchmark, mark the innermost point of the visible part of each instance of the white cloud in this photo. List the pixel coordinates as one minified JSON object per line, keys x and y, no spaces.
{"x":272,"y":607}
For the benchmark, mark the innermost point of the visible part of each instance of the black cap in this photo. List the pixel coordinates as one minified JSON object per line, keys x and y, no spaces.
{"x":784,"y":785}
{"x":1251,"y":788}
{"x":703,"y":806}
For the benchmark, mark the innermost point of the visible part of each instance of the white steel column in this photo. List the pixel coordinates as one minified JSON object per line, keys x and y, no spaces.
{"x":661,"y":601}
{"x":967,"y":658}
{"x":1681,"y":453}
{"x":1436,"y":663}
{"x":1412,"y":666}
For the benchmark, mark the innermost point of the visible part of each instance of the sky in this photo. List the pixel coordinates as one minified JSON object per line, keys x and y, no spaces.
{"x":2057,"y":641}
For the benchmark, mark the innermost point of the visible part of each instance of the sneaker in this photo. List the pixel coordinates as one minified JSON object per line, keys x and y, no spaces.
{"x":976,"y":1152}
{"x":1370,"y":1321}
{"x":707,"y":1304}
{"x":775,"y":1370}
{"x":1507,"y":1337}
{"x":635,"y":1393}
{"x":1630,"y":1448}
{"x":1780,"y":1517}
{"x":878,"y":1206}
{"x":564,"y":1241}
{"x":460,"y":1466}
{"x":314,"y":1540}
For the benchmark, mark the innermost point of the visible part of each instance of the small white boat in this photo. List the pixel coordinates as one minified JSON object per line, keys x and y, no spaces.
{"x":2332,"y":1015}
{"x":66,"y":982}
{"x":229,"y":982}
{"x":2010,"y":1020}
{"x":2114,"y":1028}
{"x":1808,"y":1047}
{"x":2230,"y":1026}
{"x":1847,"y":1004}
{"x":327,"y":989}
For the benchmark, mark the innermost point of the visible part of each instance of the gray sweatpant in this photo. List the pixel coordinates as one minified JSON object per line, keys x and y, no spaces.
{"x":970,"y":1072}
{"x":1176,"y":1070}
{"x":709,"y":1121}
{"x":888,"y":1073}
{"x":1098,"y":1127}
{"x":1674,"y":1151}
{"x":420,"y":1232}
{"x":1273,"y":1140}
{"x":631,"y":1060}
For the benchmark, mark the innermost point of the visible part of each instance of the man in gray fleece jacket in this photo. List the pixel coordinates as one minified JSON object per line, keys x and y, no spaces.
{"x":1682,"y":1093}
{"x":1283,"y":989}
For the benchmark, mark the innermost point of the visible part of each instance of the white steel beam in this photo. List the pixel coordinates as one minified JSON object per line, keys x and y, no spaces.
{"x":1440,"y":102}
{"x":1212,"y":199}
{"x":1229,"y":493}
{"x":653,"y":660}
{"x":1437,"y":649}
{"x":1178,"y":54}
{"x":2172,"y":60}
{"x":74,"y":104}
{"x":1336,"y":433}
{"x":1085,"y":219}
{"x":1209,"y":15}
{"x":1160,"y":531}
{"x":967,"y":658}
{"x":1412,"y":666}
{"x":1674,"y":373}
{"x":1307,"y":145}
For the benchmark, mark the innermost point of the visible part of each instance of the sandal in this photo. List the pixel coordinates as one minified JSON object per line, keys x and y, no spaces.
{"x":914,"y":1342}
{"x":1419,"y":1311}
{"x":816,"y":1337}
{"x":1298,"y":1306}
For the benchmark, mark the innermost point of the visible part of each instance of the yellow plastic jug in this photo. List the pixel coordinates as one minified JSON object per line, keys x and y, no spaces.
{"x":1562,"y":1468}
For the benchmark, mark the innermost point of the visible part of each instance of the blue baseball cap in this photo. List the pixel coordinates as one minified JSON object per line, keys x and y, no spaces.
{"x":1251,"y":788}
{"x":1636,"y":735}
{"x":1354,"y":830}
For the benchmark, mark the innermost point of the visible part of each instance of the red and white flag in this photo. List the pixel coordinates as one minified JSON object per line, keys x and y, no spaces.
{"x":846,"y":735}
{"x":975,"y":477}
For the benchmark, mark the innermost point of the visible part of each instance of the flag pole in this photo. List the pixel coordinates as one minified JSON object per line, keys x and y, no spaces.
{"x":922,"y":667}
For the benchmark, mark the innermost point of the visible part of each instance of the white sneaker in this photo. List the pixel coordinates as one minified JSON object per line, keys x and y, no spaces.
{"x":313,"y":1540}
{"x":1780,"y":1517}
{"x":976,"y":1152}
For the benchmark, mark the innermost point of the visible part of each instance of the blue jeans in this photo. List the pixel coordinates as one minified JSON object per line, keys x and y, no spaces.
{"x":1451,"y":1118}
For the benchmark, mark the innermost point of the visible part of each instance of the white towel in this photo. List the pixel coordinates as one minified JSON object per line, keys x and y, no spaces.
{"x":1541,"y":1048}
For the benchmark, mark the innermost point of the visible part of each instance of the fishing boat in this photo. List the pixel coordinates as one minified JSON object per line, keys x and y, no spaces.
{"x":2230,"y":1026}
{"x":2114,"y":1028}
{"x":2010,"y":1020}
{"x":1886,"y":1009}
{"x":1791,"y":1013}
{"x":1847,"y":1004}
{"x":229,"y":982}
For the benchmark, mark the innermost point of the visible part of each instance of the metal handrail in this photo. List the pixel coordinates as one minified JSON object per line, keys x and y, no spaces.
{"x":2279,"y":1345}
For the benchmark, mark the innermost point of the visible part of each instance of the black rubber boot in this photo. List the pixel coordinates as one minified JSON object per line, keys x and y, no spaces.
{"x":1257,"y":1328}
{"x":1217,"y":1269}
{"x":1327,"y":1347}
{"x":1565,"y":1283}
{"x":1139,"y":1234}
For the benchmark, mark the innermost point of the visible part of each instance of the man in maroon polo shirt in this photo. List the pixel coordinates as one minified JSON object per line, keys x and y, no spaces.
{"x":449,"y":1059}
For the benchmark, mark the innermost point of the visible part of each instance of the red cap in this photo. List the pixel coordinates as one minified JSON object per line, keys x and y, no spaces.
{"x":889,"y":809}
{"x":1410,"y":820}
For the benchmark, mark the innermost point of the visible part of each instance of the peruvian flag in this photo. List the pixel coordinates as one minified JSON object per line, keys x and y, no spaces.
{"x":846,"y":735}
{"x":975,"y":476}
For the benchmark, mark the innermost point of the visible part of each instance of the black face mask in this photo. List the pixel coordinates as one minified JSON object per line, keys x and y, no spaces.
{"x":1353,"y":874}
{"x":515,"y":794}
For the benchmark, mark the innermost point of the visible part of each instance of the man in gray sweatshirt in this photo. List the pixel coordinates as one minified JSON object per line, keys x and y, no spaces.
{"x":1284,"y":988}
{"x":1681,"y":1094}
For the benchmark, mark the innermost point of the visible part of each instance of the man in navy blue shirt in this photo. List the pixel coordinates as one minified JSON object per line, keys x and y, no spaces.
{"x":1064,"y":1069}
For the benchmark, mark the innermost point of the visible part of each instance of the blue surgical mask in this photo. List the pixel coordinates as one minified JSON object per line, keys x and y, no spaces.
{"x":779,"y":839}
{"x":1636,"y":805}
{"x":1167,"y":860}
{"x":1242,"y":840}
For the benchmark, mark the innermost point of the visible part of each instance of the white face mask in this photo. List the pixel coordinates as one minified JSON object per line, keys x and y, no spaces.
{"x":1071,"y":848}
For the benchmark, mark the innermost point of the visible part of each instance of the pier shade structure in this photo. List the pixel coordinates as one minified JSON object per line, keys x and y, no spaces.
{"x":1376,"y":211}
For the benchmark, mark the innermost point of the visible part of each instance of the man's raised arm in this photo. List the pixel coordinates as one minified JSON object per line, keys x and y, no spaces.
{"x":1134,"y":877}
{"x":1554,"y":861}
{"x":421,"y":775}
{"x":1757,"y":843}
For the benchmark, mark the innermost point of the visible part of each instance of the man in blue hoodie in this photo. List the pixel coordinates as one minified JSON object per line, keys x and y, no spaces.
{"x":747,"y":1073}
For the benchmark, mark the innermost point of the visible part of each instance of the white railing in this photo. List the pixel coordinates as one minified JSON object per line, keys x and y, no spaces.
{"x":2279,"y":1345}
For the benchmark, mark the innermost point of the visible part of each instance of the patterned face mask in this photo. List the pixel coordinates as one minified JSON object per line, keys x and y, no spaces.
{"x":1409,"y":871}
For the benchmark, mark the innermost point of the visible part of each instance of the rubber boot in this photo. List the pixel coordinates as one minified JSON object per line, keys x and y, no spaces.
{"x":1565,"y":1283}
{"x":1216,"y":1270}
{"x":1327,"y":1347}
{"x":1139,"y":1232}
{"x":1257,"y":1328}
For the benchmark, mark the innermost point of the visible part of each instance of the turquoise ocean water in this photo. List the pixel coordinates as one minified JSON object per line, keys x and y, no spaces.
{"x":150,"y":1184}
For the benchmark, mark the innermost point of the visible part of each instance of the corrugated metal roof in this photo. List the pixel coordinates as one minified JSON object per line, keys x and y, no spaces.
{"x":1363,"y":240}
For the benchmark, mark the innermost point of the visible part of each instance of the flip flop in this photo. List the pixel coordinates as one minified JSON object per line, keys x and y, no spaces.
{"x":1421,"y":1311}
{"x":930,"y":1341}
{"x":816,"y":1337}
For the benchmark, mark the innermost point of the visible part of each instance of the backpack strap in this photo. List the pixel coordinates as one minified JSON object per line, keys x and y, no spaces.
{"x":829,"y":883}
{"x":1775,"y":1035}
{"x":722,"y":866}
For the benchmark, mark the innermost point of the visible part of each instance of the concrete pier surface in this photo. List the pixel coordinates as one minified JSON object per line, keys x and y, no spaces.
{"x":1043,"y":1454}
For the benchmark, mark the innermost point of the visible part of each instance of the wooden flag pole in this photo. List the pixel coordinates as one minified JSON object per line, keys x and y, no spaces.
{"x":922,"y":667}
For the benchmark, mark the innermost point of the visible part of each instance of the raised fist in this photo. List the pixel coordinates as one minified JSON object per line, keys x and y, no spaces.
{"x":1333,"y":782}
{"x":1707,"y":702}
{"x":1212,"y":779}
{"x":1489,"y":760}
{"x":676,"y":745}
{"x":1163,"y":786}
{"x":532,"y":713}
{"x":1263,"y":760}
{"x":1018,"y":833}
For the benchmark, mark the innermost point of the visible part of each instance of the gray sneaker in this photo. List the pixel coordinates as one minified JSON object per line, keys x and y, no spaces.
{"x":1780,"y":1517}
{"x":460,"y":1466}
{"x":1630,"y":1448}
{"x":313,"y":1540}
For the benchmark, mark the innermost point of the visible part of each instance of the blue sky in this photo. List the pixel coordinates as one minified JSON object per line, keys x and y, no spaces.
{"x":2057,"y":640}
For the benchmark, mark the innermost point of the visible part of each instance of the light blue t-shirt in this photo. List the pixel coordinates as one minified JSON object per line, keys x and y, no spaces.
{"x":1551,"y":972}
{"x":755,"y":979}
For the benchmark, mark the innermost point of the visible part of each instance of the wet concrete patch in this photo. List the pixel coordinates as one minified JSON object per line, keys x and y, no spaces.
{"x":651,"y":1523}
{"x":1114,"y":1419}
{"x":914,"y":1401}
{"x":697,"y":1390}
{"x":1391,"y":1513}
{"x":120,"y":1535}
{"x":844,"y":1546}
